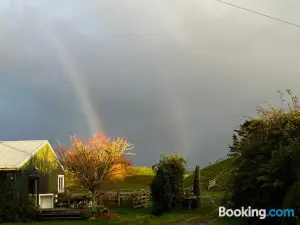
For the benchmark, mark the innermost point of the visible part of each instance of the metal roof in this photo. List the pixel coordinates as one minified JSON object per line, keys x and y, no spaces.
{"x":14,"y":154}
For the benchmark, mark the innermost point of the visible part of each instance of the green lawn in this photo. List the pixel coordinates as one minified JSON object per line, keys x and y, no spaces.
{"x":230,"y":222}
{"x":135,"y":216}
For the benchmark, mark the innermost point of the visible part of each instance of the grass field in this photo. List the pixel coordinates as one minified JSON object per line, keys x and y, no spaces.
{"x":134,"y":217}
{"x":211,"y":171}
{"x":143,"y":216}
{"x":230,"y":222}
{"x":138,"y":178}
{"x":141,"y":178}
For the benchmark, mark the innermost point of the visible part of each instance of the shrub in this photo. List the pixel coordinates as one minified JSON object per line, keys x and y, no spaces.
{"x":267,"y":161}
{"x":16,"y":213}
{"x":196,"y":186}
{"x":167,"y":185}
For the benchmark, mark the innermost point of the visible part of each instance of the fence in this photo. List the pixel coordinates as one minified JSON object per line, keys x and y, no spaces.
{"x":214,"y":200}
{"x":139,"y":199}
{"x":124,"y":199}
{"x":211,"y":183}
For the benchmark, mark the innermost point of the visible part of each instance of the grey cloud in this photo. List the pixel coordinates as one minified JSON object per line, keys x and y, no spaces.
{"x":169,"y":75}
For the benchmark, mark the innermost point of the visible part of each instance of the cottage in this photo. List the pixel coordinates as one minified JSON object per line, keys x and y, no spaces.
{"x":30,"y":173}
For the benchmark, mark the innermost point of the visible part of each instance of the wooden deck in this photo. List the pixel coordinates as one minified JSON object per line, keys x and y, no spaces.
{"x":63,"y":213}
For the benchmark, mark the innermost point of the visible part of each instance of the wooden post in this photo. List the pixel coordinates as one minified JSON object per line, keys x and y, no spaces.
{"x":37,"y":192}
{"x":146,"y":201}
{"x":132,"y":200}
{"x":119,"y":199}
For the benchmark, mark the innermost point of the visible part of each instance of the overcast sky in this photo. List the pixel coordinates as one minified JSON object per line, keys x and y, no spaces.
{"x":170,"y":75}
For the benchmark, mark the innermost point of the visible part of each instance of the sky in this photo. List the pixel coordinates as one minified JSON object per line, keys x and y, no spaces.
{"x":171,"y":76}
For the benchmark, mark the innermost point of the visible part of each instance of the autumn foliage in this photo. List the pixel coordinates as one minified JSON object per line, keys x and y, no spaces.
{"x":99,"y":159}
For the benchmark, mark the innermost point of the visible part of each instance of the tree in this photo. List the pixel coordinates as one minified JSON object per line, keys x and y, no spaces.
{"x":196,"y":186}
{"x":266,"y":171}
{"x":167,"y":185}
{"x":100,"y":159}
{"x":161,"y":193}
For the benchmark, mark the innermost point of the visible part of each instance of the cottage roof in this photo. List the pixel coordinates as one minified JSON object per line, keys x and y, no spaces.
{"x":14,"y":154}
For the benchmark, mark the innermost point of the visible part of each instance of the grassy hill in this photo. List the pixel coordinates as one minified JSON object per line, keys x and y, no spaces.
{"x":138,"y":178}
{"x":141,"y":177}
{"x":210,"y":172}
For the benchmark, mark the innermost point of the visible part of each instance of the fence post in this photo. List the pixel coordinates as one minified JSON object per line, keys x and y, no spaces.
{"x":132,"y":200}
{"x":119,"y":198}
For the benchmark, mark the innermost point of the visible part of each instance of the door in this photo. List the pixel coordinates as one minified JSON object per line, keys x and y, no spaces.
{"x":46,"y":201}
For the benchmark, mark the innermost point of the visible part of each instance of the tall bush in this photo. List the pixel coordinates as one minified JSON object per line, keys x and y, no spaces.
{"x":267,"y":165}
{"x":167,"y":185}
{"x":196,"y":186}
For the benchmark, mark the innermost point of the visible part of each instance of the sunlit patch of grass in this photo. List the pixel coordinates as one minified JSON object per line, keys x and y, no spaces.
{"x":141,"y":171}
{"x":137,"y":178}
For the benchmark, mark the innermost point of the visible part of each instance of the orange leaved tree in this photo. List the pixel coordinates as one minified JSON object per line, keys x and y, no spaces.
{"x":98,"y":160}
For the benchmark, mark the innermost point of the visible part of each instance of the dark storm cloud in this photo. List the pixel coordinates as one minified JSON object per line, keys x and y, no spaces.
{"x":169,"y":75}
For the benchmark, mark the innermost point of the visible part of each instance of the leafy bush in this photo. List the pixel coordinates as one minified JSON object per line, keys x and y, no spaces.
{"x":16,"y":213}
{"x":29,"y":214}
{"x":267,"y":161}
{"x":167,"y":185}
{"x":86,"y":213}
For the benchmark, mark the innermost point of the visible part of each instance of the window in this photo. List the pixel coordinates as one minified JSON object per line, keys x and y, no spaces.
{"x":61,"y":183}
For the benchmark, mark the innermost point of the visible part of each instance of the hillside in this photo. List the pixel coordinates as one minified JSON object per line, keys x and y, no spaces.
{"x":138,"y":178}
{"x":210,"y":172}
{"x":141,"y":177}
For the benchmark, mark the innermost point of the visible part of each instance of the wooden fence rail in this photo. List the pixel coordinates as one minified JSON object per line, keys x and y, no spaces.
{"x":139,"y":200}
{"x":125,"y":199}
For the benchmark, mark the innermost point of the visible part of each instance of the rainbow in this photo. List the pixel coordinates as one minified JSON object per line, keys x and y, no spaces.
{"x":73,"y":73}
{"x":173,"y":106}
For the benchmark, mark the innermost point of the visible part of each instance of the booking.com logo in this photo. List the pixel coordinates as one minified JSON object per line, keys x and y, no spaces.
{"x":258,"y":213}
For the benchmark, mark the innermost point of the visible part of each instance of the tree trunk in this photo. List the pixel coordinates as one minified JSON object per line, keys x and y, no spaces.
{"x":94,"y":203}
